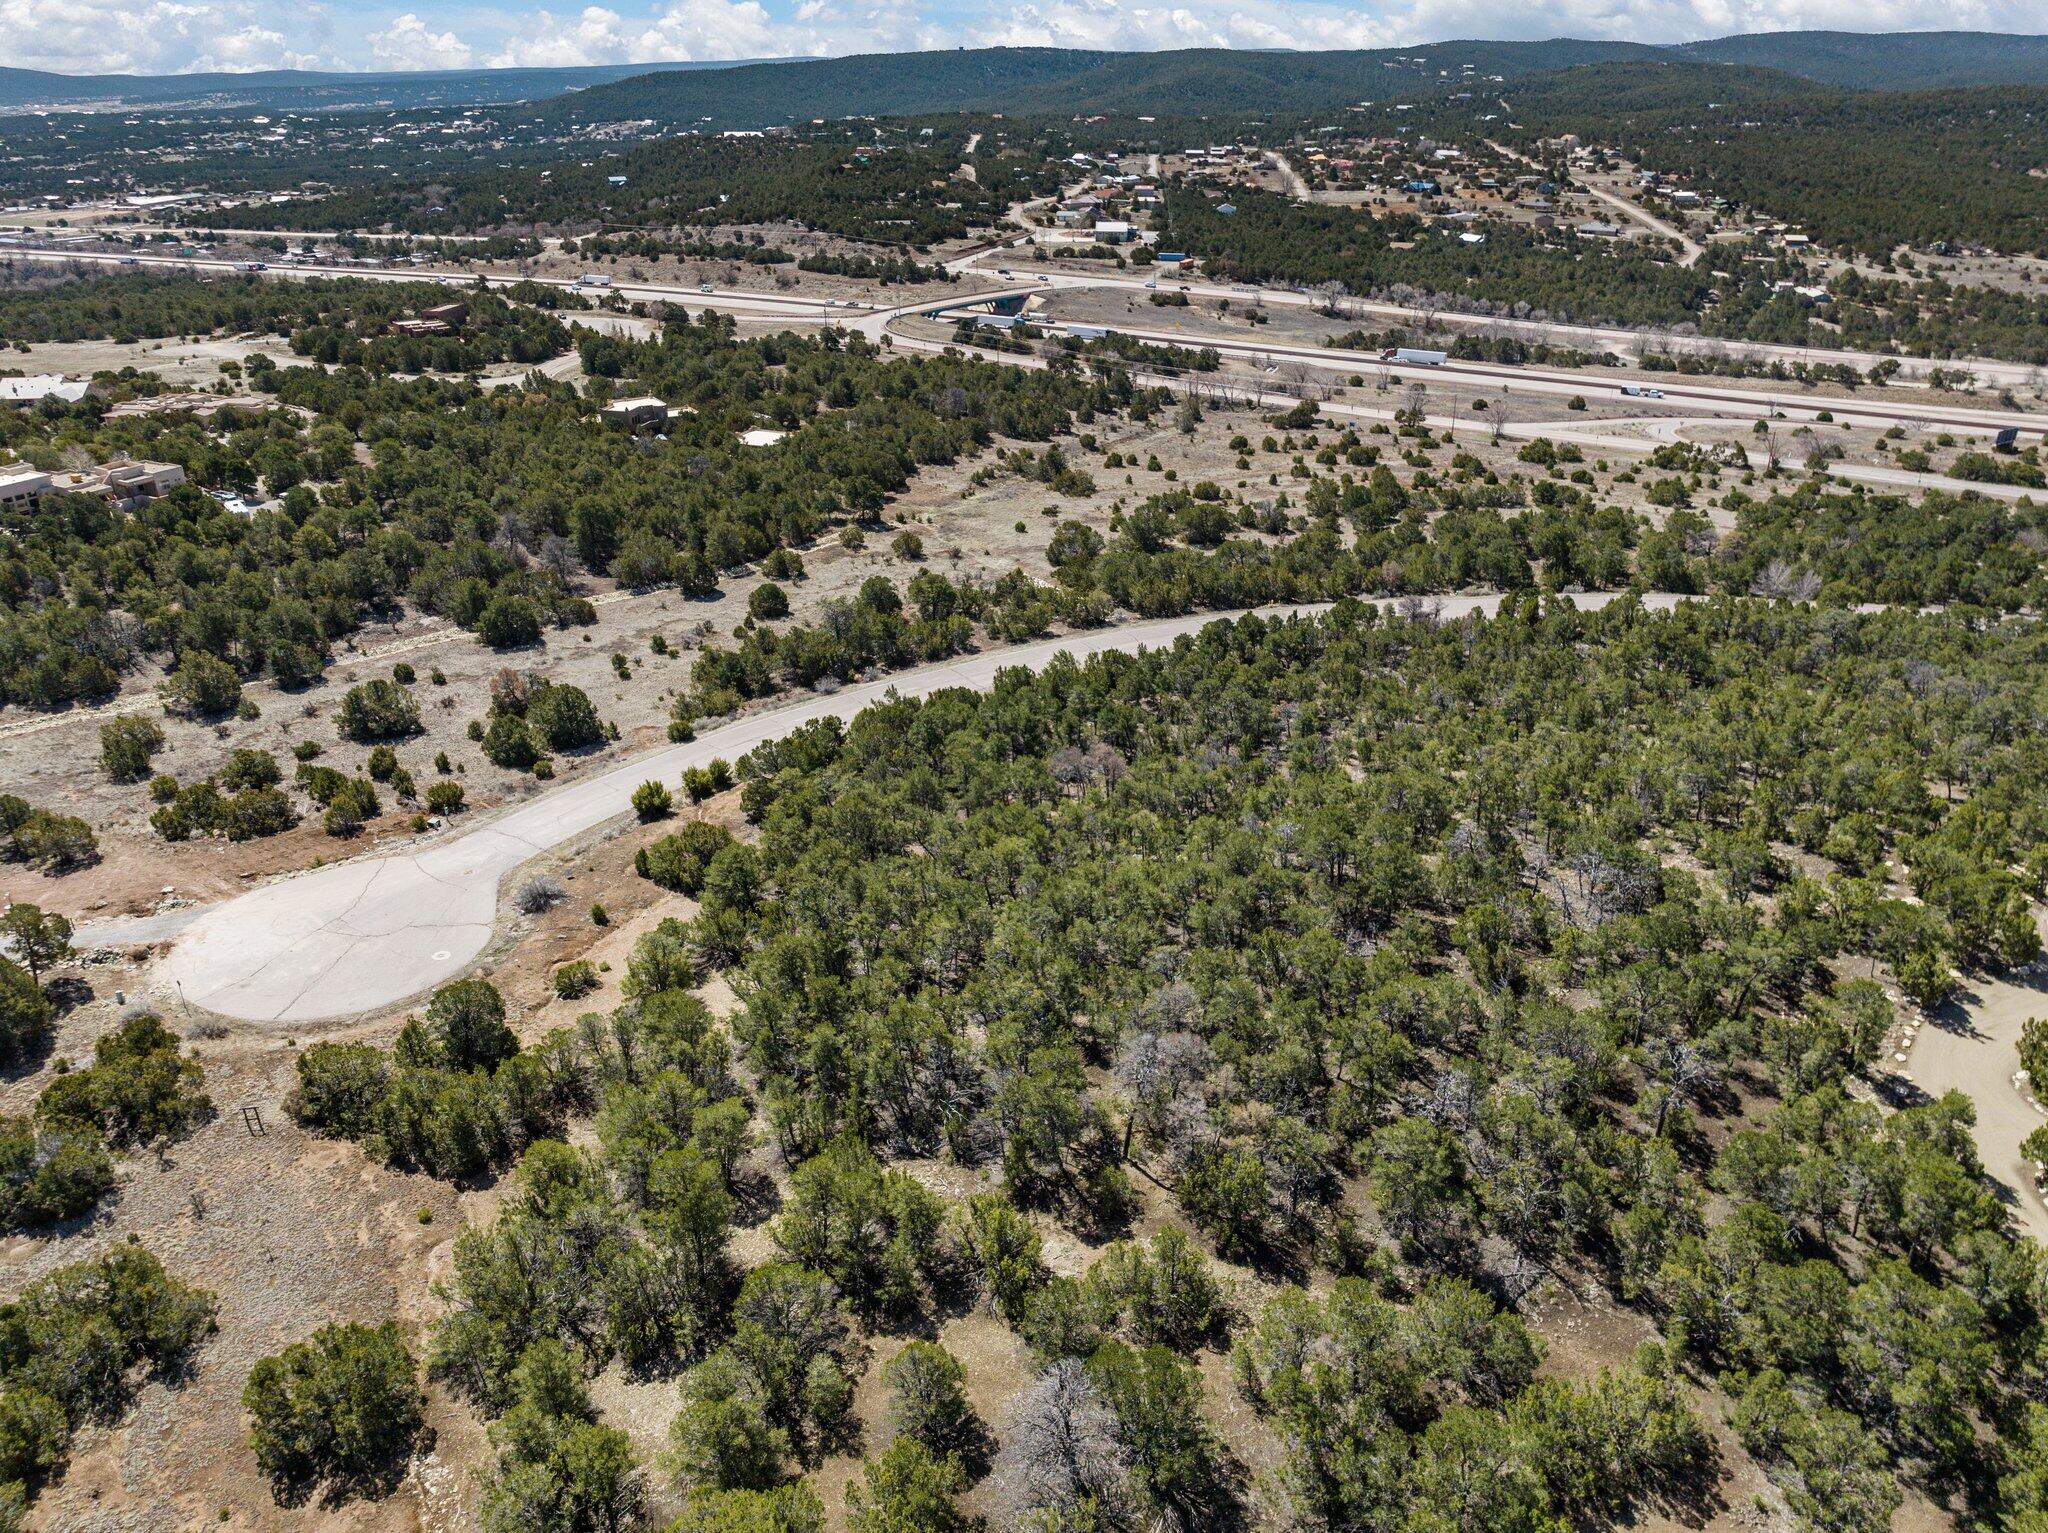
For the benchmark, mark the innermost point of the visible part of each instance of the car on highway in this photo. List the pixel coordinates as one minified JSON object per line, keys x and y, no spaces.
{"x":1637,"y":391}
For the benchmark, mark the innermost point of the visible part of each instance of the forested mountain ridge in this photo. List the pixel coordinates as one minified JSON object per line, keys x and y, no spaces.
{"x":1231,"y":82}
{"x":301,"y":88}
{"x":1021,"y":79}
{"x":1194,"y":81}
{"x":1885,"y":60}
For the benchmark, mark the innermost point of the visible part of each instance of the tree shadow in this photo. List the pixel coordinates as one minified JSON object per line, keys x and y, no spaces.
{"x":68,"y":992}
{"x":755,"y":1194}
{"x":32,"y":1058}
{"x":1954,"y":1016}
{"x":1692,"y":1499}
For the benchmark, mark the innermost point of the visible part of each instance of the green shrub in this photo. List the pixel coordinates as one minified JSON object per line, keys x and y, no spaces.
{"x":678,"y":861}
{"x":509,"y":622}
{"x":575,"y":979}
{"x":50,"y":1172}
{"x":25,"y":1014}
{"x":248,"y":768}
{"x":78,"y":1340}
{"x":378,"y":710}
{"x":203,"y":686}
{"x":508,"y":743}
{"x":562,"y":719}
{"x":126,"y":744}
{"x":137,"y":1089}
{"x":341,"y":1086}
{"x":343,"y":1410}
{"x":353,"y":806}
{"x":257,"y":812}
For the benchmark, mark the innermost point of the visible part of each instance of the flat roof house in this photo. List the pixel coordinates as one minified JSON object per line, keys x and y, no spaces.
{"x":640,"y":411}
{"x":37,"y":387}
{"x":21,"y":487}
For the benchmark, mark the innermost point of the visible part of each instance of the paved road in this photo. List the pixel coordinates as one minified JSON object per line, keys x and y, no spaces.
{"x":1248,"y":393}
{"x":1481,"y":376}
{"x":1758,"y":403}
{"x":1590,"y":337}
{"x":362,"y":936}
{"x":742,"y":300}
{"x":970,"y":263}
{"x":1972,"y":1046}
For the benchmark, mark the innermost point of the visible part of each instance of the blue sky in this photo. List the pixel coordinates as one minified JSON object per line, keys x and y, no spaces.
{"x":166,"y":36}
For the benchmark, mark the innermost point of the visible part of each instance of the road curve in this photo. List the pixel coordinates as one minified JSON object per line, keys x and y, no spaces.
{"x":359,"y":937}
{"x":1972,"y":1045}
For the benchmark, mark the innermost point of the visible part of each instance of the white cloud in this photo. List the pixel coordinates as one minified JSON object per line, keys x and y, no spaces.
{"x":409,"y":43}
{"x":1304,"y":24}
{"x":686,"y":29}
{"x":252,"y":47}
{"x":596,"y":36}
{"x":145,"y":36}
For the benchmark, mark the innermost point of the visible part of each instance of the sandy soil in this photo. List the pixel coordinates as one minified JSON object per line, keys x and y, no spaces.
{"x":971,"y":531}
{"x":192,"y":363}
{"x":291,"y":1232}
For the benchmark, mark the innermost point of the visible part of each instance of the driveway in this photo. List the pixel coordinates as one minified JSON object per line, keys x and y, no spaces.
{"x":358,"y":937}
{"x":1972,"y":1046}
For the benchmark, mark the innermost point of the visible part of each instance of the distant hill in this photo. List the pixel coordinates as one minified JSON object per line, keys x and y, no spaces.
{"x":23,"y":89}
{"x":1191,"y":82}
{"x":1185,"y":82}
{"x":1219,"y":81}
{"x":1888,"y":60}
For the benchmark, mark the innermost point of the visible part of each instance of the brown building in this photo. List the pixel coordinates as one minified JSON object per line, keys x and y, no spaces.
{"x":441,"y":319}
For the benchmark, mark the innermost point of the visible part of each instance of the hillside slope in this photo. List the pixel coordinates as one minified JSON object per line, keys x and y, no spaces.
{"x":1221,"y":81}
{"x":1183,"y":82}
{"x":1886,"y":60}
{"x":332,"y":90}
